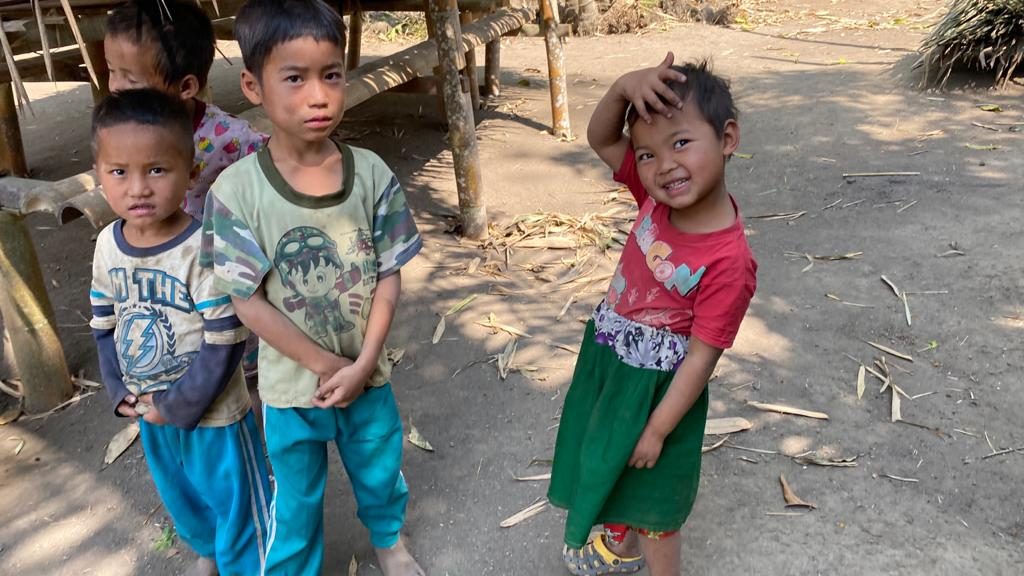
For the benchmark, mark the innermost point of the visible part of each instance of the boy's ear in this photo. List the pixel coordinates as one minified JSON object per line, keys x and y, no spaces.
{"x":251,"y":88}
{"x":189,"y":87}
{"x":730,"y":137}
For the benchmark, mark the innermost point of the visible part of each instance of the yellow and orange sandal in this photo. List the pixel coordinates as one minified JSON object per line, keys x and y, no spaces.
{"x":596,"y":559}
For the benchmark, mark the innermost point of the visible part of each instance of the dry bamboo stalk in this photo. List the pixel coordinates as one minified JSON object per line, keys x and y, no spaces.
{"x":782,"y":409}
{"x":19,"y":86}
{"x":47,"y":57}
{"x":69,"y":14}
{"x":871,"y":174}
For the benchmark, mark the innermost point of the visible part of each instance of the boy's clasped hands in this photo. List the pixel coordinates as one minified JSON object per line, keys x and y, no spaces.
{"x":342,"y":381}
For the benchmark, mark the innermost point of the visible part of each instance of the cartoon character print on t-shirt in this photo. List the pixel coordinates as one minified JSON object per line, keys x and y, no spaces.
{"x":673,"y":277}
{"x":311,"y":268}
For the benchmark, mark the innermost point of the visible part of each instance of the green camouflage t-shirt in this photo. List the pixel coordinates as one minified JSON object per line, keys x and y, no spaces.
{"x":318,"y":257}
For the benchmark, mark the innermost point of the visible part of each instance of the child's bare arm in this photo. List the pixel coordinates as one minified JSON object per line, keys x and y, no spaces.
{"x":347,"y":384}
{"x":687,"y":385}
{"x":278,"y":331}
{"x":641,"y":89}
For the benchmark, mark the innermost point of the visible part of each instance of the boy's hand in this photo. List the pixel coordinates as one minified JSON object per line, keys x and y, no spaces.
{"x":642,"y":87}
{"x":648,"y":449}
{"x":127,"y":406}
{"x":342,"y":388}
{"x":151,"y":414}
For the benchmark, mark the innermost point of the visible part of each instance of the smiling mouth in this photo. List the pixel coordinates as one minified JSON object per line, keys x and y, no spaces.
{"x":676,"y":186}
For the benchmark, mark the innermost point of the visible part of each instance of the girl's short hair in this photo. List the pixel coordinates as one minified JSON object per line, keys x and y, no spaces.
{"x":181,"y":32}
{"x":708,"y":91}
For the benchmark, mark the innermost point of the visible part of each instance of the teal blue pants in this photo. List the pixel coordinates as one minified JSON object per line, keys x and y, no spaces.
{"x":368,"y":434}
{"x":213,"y":483}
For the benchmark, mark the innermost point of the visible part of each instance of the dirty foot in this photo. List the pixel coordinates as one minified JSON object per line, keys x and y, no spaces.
{"x":396,"y":561}
{"x":203,"y":567}
{"x":629,"y":548}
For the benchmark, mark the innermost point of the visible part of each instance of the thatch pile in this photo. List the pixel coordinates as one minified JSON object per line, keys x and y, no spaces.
{"x":986,"y":35}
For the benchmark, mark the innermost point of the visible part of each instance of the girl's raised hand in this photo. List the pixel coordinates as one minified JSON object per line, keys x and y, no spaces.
{"x":642,"y":88}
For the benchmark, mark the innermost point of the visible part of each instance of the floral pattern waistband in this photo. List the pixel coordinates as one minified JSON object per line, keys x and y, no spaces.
{"x":636,"y":344}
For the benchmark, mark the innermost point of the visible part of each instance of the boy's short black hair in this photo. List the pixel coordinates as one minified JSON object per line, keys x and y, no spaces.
{"x":708,"y":91}
{"x":180,"y":31}
{"x":262,"y":25}
{"x":145,"y":107}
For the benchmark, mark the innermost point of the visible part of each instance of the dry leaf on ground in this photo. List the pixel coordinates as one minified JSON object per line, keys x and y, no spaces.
{"x":817,"y":460}
{"x":10,"y":415}
{"x":889,"y":351}
{"x":492,"y":322}
{"x":505,"y":358}
{"x":525,"y":514}
{"x":120,"y":442}
{"x":438,"y":332}
{"x":861,"y":374}
{"x":715,"y":446}
{"x":719,"y":426}
{"x":536,"y":478}
{"x":20,"y":446}
{"x":783,"y":409}
{"x":791,"y":498}
{"x":417,"y":439}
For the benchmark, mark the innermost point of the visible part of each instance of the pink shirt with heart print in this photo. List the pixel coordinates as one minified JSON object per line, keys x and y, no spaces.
{"x":221,"y":140}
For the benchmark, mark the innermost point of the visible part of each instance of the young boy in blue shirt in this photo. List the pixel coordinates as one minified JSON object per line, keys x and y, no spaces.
{"x":170,"y":343}
{"x":308,"y":236}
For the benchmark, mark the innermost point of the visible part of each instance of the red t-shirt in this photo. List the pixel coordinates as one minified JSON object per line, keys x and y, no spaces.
{"x":691,"y":284}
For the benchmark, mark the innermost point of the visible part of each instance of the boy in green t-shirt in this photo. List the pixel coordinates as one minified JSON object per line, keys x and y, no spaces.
{"x":308,"y":236}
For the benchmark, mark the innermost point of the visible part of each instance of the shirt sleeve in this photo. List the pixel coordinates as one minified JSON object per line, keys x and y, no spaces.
{"x":230,"y":248}
{"x":722,"y":301}
{"x":251,"y":140}
{"x":395,"y":237}
{"x":628,"y":175}
{"x":220,"y":353}
{"x":103,"y":323}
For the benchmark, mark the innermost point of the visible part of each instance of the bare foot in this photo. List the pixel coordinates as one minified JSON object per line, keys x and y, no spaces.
{"x":203,"y":567}
{"x":396,"y":561}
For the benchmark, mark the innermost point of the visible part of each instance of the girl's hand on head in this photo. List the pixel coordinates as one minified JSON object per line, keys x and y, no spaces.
{"x":648,"y":450}
{"x":642,"y":87}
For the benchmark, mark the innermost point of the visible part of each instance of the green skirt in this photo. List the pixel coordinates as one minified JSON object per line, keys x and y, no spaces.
{"x":605,"y":412}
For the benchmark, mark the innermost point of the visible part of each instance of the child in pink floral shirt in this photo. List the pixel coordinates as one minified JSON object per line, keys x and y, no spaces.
{"x":171,"y":49}
{"x":170,"y":46}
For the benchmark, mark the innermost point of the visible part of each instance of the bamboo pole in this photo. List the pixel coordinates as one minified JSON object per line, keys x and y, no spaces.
{"x":466,"y":18}
{"x":556,"y":73}
{"x":462,"y":130}
{"x":28,"y":317}
{"x":101,"y":73}
{"x":12,"y":151}
{"x":428,"y":15}
{"x":492,"y":62}
{"x":355,"y":37}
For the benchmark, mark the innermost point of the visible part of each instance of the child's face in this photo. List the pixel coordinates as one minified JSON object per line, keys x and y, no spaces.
{"x":681,"y":160}
{"x":302,"y":89}
{"x":132,"y":65}
{"x":144,"y":172}
{"x":319,"y":281}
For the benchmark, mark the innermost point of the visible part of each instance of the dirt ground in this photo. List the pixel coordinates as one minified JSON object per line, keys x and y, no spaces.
{"x":819,"y":97}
